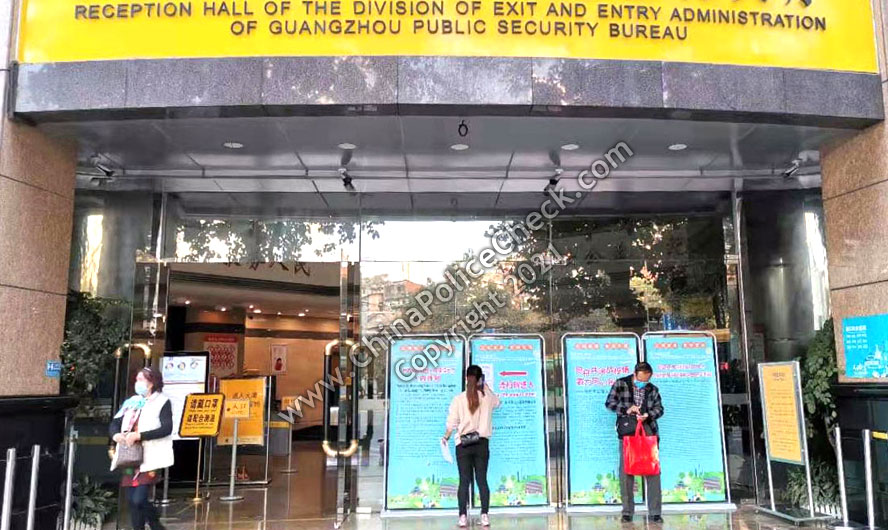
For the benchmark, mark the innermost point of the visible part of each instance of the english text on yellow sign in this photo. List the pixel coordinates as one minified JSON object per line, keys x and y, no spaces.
{"x":201,"y":415}
{"x":815,"y":34}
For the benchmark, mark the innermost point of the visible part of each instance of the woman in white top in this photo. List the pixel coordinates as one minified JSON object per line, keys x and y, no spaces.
{"x":470,"y":417}
{"x":146,"y":419}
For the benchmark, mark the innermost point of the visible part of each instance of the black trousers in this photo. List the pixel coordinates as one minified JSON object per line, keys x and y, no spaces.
{"x":141,"y":509}
{"x":469,"y":460}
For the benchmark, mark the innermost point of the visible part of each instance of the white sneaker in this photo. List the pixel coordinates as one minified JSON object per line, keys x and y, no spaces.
{"x":485,"y":520}
{"x":463,"y":521}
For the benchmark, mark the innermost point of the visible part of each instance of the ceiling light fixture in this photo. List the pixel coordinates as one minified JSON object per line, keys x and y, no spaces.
{"x":257,"y":310}
{"x":187,"y":302}
{"x":232,"y":145}
{"x":459,"y":147}
{"x":678,"y":147}
{"x":301,"y":314}
{"x":570,"y":147}
{"x":223,"y":309}
{"x":348,"y":146}
{"x":251,"y":306}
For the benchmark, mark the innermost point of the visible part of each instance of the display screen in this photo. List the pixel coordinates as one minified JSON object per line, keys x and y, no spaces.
{"x":183,"y":375}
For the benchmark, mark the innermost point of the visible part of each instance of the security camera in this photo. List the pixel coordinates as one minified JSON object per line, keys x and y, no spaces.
{"x":792,"y":169}
{"x":346,"y":179}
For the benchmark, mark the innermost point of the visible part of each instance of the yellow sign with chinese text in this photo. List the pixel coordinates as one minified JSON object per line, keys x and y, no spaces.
{"x":780,"y":391}
{"x":201,"y":415}
{"x":251,"y":430}
{"x":237,"y":409}
{"x":814,"y":34}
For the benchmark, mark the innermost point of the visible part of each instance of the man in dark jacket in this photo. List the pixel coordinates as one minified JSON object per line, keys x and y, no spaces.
{"x":634,"y":397}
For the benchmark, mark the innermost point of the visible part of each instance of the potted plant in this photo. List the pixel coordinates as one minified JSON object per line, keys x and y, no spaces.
{"x":91,"y":505}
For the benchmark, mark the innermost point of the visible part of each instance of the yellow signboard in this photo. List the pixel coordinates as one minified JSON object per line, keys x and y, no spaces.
{"x":237,"y":409}
{"x":250,"y":431}
{"x":201,"y":415}
{"x":780,"y":391}
{"x":816,"y":34}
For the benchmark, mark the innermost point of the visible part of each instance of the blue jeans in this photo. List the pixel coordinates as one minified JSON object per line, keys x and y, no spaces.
{"x":142,"y":510}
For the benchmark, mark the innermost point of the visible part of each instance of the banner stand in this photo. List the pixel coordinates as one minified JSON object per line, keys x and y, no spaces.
{"x":702,"y":507}
{"x":800,"y":516}
{"x":406,"y":514}
{"x":668,"y":509}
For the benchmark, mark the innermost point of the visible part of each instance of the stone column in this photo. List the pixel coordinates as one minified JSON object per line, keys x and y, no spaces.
{"x":855,"y":199}
{"x":36,"y":207}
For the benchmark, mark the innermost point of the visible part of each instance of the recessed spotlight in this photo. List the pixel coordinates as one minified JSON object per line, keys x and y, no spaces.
{"x":678,"y":147}
{"x":301,"y":314}
{"x":570,"y":147}
{"x":223,"y":309}
{"x":257,"y":311}
{"x":251,"y":306}
{"x":279,"y":313}
{"x":306,"y":310}
{"x":348,"y":146}
{"x":187,"y":302}
{"x":459,"y":147}
{"x":232,"y":145}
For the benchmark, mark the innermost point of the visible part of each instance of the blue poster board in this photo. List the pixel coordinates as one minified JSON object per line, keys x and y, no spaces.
{"x":417,"y":476}
{"x":513,"y":367}
{"x":591,"y":365}
{"x":866,"y":347}
{"x":692,"y":457}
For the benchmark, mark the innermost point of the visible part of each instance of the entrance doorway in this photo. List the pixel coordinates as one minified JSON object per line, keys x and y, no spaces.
{"x":271,"y":331}
{"x":639,"y":272}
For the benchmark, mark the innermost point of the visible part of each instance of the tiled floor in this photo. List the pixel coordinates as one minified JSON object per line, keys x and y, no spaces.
{"x":306,"y":500}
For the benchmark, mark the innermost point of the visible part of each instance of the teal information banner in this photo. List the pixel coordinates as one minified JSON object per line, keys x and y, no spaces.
{"x":417,"y":476}
{"x":591,"y":365}
{"x":691,"y":443}
{"x":866,"y":347}
{"x":513,"y":367}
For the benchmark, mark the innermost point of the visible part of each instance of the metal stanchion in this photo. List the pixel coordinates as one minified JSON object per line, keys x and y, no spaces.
{"x":231,"y":497}
{"x":166,"y":500}
{"x":69,"y":485}
{"x":197,"y":498}
{"x":8,"y":484}
{"x":290,"y":468}
{"x":32,"y":492}
{"x":843,"y":495}
{"x":868,"y":468}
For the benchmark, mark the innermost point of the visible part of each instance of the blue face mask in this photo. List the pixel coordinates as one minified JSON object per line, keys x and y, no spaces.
{"x":641,"y":384}
{"x":141,"y":388}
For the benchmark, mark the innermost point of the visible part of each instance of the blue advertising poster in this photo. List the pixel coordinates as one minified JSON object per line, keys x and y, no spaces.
{"x":513,"y":367}
{"x":592,"y":364}
{"x":691,"y":444}
{"x":417,"y":476}
{"x":866,"y":347}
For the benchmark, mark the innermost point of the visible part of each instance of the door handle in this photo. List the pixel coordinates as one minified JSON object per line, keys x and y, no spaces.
{"x":326,"y":445}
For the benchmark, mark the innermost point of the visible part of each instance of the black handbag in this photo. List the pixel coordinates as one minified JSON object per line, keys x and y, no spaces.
{"x":626,"y":425}
{"x":469,"y":439}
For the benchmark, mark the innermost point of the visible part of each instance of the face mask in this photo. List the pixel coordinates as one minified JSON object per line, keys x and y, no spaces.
{"x":142,"y":388}
{"x":641,"y":384}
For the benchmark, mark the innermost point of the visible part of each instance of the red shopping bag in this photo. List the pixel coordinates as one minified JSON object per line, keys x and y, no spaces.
{"x":641,"y":455}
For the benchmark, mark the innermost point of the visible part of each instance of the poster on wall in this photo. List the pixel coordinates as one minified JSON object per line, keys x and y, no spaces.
{"x":866,"y":347}
{"x":250,"y":431}
{"x":781,"y":403}
{"x":518,"y":469}
{"x":223,"y":354}
{"x":417,"y":476}
{"x":183,"y":373}
{"x":592,"y":363}
{"x":278,"y":359}
{"x":691,"y":442}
